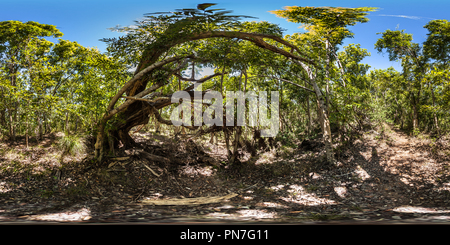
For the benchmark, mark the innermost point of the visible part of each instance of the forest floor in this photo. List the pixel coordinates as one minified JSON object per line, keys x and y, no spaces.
{"x":380,"y":178}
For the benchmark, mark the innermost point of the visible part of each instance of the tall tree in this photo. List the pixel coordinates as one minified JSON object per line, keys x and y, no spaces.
{"x":20,"y":44}
{"x":330,"y":24}
{"x":156,"y":38}
{"x":399,"y":46}
{"x":437,"y":45}
{"x":389,"y":96}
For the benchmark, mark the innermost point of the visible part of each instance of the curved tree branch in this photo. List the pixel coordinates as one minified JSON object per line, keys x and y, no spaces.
{"x":139,"y":76}
{"x":285,"y":80}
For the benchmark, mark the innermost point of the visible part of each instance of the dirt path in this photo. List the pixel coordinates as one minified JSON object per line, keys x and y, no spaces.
{"x":401,"y":170}
{"x":408,"y":163}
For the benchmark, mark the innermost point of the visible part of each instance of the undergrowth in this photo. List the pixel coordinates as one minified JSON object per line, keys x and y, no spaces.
{"x":72,"y":144}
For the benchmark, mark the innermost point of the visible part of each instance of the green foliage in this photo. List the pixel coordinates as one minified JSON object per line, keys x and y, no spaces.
{"x":398,"y":44}
{"x":43,"y":83}
{"x":437,"y":45}
{"x":416,"y":96}
{"x":287,"y":139}
{"x":71,"y":144}
{"x":331,"y":17}
{"x":333,"y":20}
{"x":65,"y":86}
{"x":156,"y":31}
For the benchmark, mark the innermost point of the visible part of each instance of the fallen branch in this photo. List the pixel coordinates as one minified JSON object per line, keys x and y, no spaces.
{"x":120,"y":158}
{"x":154,"y":158}
{"x":151,"y":170}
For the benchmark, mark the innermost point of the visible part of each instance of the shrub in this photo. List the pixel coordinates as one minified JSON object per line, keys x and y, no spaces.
{"x":71,"y":145}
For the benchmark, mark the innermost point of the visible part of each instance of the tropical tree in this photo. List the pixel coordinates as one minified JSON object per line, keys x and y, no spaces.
{"x":327,"y":27}
{"x":352,"y":99}
{"x":437,"y":48}
{"x":437,"y":45}
{"x":399,"y":46}
{"x":389,"y":97}
{"x":21,"y":47}
{"x":43,"y":83}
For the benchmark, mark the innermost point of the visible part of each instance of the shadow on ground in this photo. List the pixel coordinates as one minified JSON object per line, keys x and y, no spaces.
{"x":379,"y":181}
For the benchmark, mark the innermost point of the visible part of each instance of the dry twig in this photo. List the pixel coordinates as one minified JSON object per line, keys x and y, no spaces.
{"x":151,"y":170}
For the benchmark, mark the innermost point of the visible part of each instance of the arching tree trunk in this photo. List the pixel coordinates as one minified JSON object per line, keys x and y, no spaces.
{"x":132,"y":113}
{"x":134,"y":116}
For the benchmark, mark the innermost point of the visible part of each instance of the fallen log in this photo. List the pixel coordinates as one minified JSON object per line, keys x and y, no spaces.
{"x":151,"y":170}
{"x":154,"y":158}
{"x":119,"y":158}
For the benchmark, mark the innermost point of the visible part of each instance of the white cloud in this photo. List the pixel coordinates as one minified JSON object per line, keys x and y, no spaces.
{"x":402,"y":16}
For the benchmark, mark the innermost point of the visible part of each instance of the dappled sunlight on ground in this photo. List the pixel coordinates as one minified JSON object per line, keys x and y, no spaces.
{"x":341,"y":191}
{"x":271,"y":205}
{"x":277,"y":188}
{"x":4,"y":187}
{"x":245,"y":214}
{"x":414,"y":209}
{"x":266,"y":158}
{"x":376,"y":181}
{"x":257,"y":214}
{"x":362,"y":174}
{"x":299,"y":195}
{"x":154,"y":196}
{"x":445,"y":187}
{"x":193,"y":171}
{"x":82,"y":214}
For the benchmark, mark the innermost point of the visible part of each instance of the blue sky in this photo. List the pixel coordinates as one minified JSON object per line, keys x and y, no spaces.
{"x":86,"y":21}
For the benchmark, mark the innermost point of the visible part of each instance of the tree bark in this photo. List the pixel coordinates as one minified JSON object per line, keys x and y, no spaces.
{"x":227,"y":142}
{"x":76,"y":124}
{"x":3,"y":111}
{"x":12,"y":129}
{"x":309,"y":113}
{"x":415,"y":117}
{"x":327,"y":74}
{"x":436,"y":122}
{"x":401,"y":112}
{"x":131,"y":114}
{"x":182,"y":130}
{"x":66,"y":123}
{"x":2,"y":119}
{"x":26,"y":134}
{"x":237,"y":137}
{"x":323,"y":116}
{"x":211,"y":139}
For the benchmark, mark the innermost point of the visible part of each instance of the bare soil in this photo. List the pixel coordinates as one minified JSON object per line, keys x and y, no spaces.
{"x":379,"y":178}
